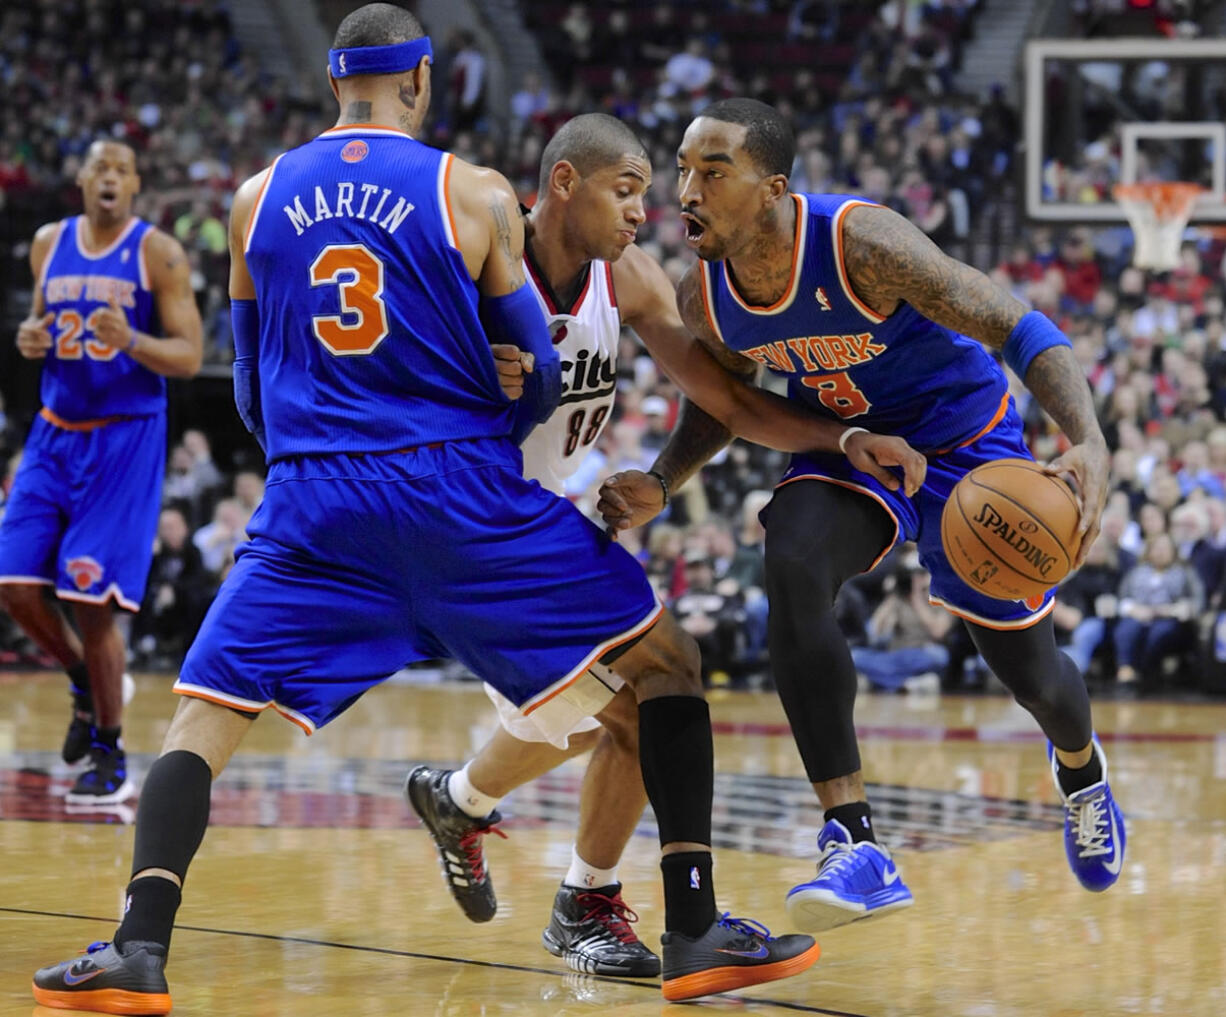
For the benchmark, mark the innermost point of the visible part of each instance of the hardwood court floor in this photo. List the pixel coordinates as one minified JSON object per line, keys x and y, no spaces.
{"x":316,"y":894}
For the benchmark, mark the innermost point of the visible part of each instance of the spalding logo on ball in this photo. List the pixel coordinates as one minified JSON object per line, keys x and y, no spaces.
{"x":1010,"y":530}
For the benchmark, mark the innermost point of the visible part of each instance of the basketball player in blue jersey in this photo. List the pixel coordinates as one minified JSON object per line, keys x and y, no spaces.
{"x":113,"y":315}
{"x":369,"y":274}
{"x":869,"y":322}
{"x":590,"y":280}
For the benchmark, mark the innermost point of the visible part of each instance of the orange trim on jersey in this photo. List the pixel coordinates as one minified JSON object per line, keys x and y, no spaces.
{"x":708,"y":305}
{"x":259,"y":203}
{"x":110,"y":248}
{"x":860,"y":489}
{"x":366,"y":129}
{"x":143,"y":261}
{"x":996,"y":419}
{"x":46,"y":265}
{"x":992,"y":623}
{"x":455,"y":237}
{"x":194,"y":693}
{"x":599,"y":652}
{"x":840,"y":265}
{"x":53,"y":418}
{"x":798,"y":255}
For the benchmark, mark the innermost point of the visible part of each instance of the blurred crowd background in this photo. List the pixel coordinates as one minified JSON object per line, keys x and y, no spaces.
{"x":875,"y":93}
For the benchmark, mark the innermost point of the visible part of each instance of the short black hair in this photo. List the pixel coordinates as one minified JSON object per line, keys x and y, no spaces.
{"x":377,"y":25}
{"x":589,"y":142}
{"x":768,"y":138}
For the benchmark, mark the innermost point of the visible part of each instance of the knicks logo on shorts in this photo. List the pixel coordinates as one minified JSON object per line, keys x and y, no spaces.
{"x":1035,"y":602}
{"x":84,"y":571}
{"x":355,"y":151}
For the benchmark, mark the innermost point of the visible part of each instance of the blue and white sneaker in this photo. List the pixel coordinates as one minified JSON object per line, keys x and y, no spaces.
{"x":1093,"y":828}
{"x":854,"y":880}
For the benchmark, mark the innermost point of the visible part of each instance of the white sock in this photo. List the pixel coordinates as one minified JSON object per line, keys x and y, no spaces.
{"x":471,"y":801}
{"x":581,"y":874}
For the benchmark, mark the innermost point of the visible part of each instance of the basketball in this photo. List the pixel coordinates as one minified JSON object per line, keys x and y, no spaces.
{"x":1010,"y":530}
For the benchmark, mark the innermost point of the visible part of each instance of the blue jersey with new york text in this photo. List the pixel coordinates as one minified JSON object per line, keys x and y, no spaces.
{"x":370,"y":339}
{"x":903,"y":374}
{"x":84,"y":379}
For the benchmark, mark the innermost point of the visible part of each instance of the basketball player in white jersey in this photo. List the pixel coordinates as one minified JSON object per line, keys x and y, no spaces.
{"x":590,"y":280}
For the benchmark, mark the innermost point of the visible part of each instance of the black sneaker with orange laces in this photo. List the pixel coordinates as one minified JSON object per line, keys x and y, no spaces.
{"x":590,"y":930}
{"x":458,"y":837}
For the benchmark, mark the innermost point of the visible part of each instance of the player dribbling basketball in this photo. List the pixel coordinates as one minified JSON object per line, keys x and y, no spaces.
{"x":873,"y":325}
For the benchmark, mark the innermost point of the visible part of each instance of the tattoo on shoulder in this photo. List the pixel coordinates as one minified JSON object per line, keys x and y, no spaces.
{"x":694,"y":314}
{"x":890,"y":260}
{"x":502,"y":227}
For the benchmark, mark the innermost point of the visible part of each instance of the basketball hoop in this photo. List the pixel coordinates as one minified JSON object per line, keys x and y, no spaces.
{"x":1158,"y":213}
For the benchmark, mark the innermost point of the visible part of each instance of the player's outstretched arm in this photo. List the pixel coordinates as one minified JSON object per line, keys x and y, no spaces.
{"x":34,"y":334}
{"x":889,"y":260}
{"x":176,"y":354}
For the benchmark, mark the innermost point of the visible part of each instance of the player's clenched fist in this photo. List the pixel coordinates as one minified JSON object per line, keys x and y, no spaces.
{"x":512,"y":364}
{"x":33,"y":337}
{"x":111,"y":326}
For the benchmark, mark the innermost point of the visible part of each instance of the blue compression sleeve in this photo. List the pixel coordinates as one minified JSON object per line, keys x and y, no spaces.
{"x":246,"y":324}
{"x":516,"y":318}
{"x":1030,"y":337}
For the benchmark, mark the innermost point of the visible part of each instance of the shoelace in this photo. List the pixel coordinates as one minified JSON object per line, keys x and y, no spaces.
{"x":611,"y":912}
{"x":470,"y":844}
{"x":1092,"y":827}
{"x":746,"y":927}
{"x":835,"y":856}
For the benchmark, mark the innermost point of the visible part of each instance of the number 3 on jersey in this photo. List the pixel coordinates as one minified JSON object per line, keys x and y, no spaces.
{"x":358,"y":276}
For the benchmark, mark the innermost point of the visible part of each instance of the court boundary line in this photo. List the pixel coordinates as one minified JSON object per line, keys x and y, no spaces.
{"x":637,"y":983}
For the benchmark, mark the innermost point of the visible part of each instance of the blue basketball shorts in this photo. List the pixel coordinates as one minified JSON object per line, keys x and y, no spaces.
{"x":359,"y":564}
{"x":918,"y":518}
{"x":83,"y":511}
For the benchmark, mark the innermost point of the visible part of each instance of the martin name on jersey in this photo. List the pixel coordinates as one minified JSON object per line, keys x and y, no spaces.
{"x":586,"y":337}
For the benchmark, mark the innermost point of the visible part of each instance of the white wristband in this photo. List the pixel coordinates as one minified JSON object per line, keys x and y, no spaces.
{"x":847,"y":434}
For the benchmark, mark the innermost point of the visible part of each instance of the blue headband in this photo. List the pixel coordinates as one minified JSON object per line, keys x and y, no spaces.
{"x":400,"y":56}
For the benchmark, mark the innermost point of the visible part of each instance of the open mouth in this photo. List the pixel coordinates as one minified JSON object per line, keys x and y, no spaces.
{"x":108,"y":198}
{"x":694,"y":229}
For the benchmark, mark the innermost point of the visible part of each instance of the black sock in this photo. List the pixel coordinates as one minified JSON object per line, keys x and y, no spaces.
{"x":108,"y":738}
{"x":857,"y":817}
{"x":149,"y":911}
{"x":1072,"y":781}
{"x":83,"y":699}
{"x":689,"y":894}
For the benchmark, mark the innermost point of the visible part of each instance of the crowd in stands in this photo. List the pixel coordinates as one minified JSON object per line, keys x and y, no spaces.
{"x":879,"y":115}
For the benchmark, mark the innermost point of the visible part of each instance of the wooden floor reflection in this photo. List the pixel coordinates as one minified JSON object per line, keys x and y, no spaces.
{"x":316,"y":893}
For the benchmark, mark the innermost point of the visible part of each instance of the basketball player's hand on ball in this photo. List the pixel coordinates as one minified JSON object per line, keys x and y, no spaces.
{"x":111,"y":326}
{"x":33,"y":337}
{"x":629,"y":499}
{"x":1089,"y":464}
{"x":512,"y":365}
{"x":872,"y":453}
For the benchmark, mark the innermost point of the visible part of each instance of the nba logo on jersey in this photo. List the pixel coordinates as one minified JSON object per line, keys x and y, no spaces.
{"x":84,"y":571}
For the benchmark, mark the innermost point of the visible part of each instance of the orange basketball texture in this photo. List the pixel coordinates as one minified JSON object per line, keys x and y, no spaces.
{"x":1010,"y":530}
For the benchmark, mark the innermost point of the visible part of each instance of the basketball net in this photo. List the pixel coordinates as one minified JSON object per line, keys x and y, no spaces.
{"x":1158,"y":213}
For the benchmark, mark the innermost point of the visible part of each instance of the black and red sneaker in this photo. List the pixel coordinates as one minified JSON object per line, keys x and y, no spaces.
{"x":458,"y":837}
{"x":590,"y":930}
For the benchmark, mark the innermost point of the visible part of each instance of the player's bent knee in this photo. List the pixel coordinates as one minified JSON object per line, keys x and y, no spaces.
{"x":209,"y":731}
{"x":665,"y":662}
{"x":621,"y":719}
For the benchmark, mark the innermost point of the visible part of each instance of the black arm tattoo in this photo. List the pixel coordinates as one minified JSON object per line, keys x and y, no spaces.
{"x":502,"y":227}
{"x":695,"y":439}
{"x":889,"y":260}
{"x":1060,"y":386}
